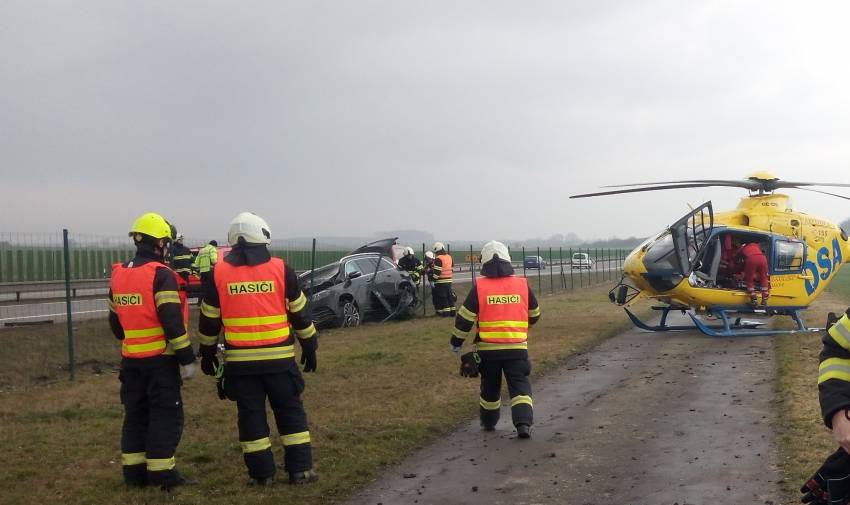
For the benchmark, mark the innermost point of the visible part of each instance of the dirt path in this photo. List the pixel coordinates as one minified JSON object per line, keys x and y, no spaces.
{"x":655,"y":419}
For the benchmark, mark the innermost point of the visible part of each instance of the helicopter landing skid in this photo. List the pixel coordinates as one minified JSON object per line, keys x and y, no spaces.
{"x":737,"y":330}
{"x":728,"y":326}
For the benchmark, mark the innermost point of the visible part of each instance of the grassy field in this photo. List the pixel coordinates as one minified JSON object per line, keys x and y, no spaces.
{"x":802,"y":439}
{"x":380,"y":392}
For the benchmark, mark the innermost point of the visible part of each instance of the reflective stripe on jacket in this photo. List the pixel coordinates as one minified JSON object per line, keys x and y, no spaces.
{"x":135,"y":305}
{"x":444,"y":271}
{"x":502,"y":313}
{"x":253,"y":311}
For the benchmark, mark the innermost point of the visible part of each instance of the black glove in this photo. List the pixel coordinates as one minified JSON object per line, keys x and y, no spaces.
{"x":209,"y":361}
{"x":830,"y":485}
{"x":469,"y":364}
{"x":831,"y":319}
{"x":308,"y":359}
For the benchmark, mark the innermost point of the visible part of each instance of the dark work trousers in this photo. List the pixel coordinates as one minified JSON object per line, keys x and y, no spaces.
{"x":516,"y":375}
{"x":153,"y":420}
{"x":283,"y":391}
{"x":206,"y":278}
{"x":442,"y":296}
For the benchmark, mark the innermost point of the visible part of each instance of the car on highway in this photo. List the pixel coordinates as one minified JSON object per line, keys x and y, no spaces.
{"x":581,"y":260}
{"x":360,"y":286}
{"x":534,"y":262}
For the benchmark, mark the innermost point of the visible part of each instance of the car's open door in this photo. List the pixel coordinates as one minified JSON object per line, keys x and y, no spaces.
{"x":690,"y":235}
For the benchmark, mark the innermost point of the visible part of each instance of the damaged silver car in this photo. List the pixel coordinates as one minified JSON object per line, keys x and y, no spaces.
{"x":366,"y":284}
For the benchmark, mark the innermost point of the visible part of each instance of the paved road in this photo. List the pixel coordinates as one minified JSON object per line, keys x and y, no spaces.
{"x":652,"y":419}
{"x":466,"y":275}
{"x":55,"y":311}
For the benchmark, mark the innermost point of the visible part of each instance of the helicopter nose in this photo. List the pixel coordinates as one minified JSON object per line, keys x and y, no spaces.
{"x":633,"y":266}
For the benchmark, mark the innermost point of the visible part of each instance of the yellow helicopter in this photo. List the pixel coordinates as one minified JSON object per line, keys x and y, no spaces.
{"x":688,"y":267}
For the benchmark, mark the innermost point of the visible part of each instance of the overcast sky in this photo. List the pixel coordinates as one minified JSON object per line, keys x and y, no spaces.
{"x":465,"y":119}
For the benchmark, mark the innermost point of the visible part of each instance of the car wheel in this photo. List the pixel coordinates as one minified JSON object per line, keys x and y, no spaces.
{"x":350,"y":314}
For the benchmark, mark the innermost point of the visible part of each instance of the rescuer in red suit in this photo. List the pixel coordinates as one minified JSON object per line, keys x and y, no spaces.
{"x":755,"y":272}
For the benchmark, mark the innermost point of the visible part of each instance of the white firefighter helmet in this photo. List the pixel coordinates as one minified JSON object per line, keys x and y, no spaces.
{"x":429,"y":255}
{"x":179,"y":238}
{"x":251,"y":228}
{"x":408,"y":251}
{"x":495,"y":249}
{"x":439,"y":246}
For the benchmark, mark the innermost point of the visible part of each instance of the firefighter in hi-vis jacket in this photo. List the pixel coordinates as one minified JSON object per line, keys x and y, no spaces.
{"x":258,"y":302}
{"x":181,"y":263}
{"x":831,"y":483}
{"x":146,"y":315}
{"x":442,"y":293}
{"x":504,"y":307}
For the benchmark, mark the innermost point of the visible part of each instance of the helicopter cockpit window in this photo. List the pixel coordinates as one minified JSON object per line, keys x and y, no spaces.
{"x":659,"y":254}
{"x":789,"y":256}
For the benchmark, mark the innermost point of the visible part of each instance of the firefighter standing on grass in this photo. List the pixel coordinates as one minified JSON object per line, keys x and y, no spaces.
{"x":181,"y":263}
{"x":258,"y":302}
{"x":206,"y":260}
{"x":146,"y":315}
{"x":831,"y":483}
{"x":504,"y":307}
{"x":411,"y":264}
{"x":441,"y":275}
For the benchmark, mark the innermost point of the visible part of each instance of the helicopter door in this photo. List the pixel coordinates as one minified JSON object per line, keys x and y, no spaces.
{"x":690,"y":235}
{"x":786,"y":268}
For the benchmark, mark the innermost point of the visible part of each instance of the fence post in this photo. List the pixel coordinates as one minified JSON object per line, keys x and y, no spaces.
{"x":572,"y":280}
{"x":472,"y":264}
{"x":539,"y":279}
{"x":561,"y":263}
{"x":596,"y":270}
{"x":424,"y":282}
{"x":67,"y":260}
{"x":312,"y":276}
{"x":523,"y":263}
{"x":551,"y":274}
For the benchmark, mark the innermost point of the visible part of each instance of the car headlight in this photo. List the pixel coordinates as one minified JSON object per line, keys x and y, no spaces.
{"x":321,"y":294}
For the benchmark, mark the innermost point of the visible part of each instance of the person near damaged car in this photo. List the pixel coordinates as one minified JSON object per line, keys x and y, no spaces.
{"x":258,"y":302}
{"x":411,"y":264}
{"x":146,"y":315}
{"x":504,"y":307}
{"x":442,"y":293}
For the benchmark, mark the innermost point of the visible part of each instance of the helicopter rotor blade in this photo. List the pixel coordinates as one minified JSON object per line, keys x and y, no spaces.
{"x":789,"y":184}
{"x":638,"y":190}
{"x":715,"y":182}
{"x":823,"y":193}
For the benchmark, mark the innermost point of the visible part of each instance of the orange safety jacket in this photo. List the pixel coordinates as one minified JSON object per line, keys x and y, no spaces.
{"x":445,"y":275}
{"x":502,"y":313}
{"x":253,"y":311}
{"x":134,"y":303}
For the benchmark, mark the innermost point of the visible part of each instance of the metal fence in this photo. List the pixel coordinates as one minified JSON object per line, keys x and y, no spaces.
{"x":37,"y":257}
{"x":53,"y":290}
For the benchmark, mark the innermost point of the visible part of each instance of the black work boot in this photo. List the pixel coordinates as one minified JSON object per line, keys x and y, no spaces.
{"x":305,"y":477}
{"x":176,"y":481}
{"x":263,"y":482}
{"x":523,"y":431}
{"x":488,"y":427}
